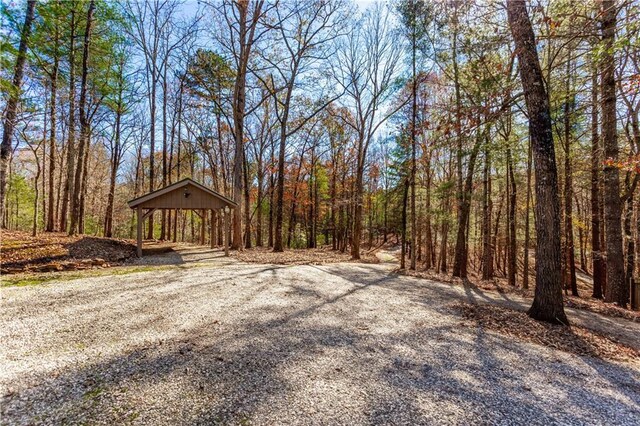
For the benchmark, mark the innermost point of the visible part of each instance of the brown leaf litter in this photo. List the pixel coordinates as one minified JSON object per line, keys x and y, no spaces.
{"x":500,"y":285}
{"x":57,"y":251}
{"x":573,"y":339}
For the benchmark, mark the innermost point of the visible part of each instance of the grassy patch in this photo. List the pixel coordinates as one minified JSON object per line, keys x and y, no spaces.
{"x":36,"y":279}
{"x":93,"y":393}
{"x":25,"y":280}
{"x":21,"y":282}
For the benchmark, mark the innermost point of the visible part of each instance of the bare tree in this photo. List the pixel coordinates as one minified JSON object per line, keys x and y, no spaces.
{"x":152,"y":24}
{"x":368,"y":63}
{"x":304,"y":30}
{"x":241,"y":22}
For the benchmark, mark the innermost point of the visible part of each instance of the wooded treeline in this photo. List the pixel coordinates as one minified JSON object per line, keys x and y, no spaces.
{"x":332,"y":124}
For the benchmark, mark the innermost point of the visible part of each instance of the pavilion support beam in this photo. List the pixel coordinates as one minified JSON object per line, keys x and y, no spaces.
{"x":139,"y":233}
{"x":227,"y":232}
{"x":175,"y":226}
{"x":203,"y":224}
{"x":148,"y":213}
{"x":212,"y":237}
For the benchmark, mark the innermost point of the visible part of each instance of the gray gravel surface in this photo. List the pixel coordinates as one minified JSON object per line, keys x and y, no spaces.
{"x":230,"y":343}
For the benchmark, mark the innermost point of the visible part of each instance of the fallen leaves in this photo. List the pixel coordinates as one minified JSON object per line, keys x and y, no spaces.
{"x":50,"y":252}
{"x":574,"y":339}
{"x":600,"y":307}
{"x":500,"y":285}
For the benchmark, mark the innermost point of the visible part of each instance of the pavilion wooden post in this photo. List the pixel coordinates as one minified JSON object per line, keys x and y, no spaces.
{"x":213,"y":229}
{"x":227,"y":231}
{"x":203,"y":223}
{"x":175,"y":226}
{"x":139,"y":236}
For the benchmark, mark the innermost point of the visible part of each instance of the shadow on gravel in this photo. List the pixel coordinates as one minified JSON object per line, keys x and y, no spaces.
{"x":471,"y":384}
{"x":230,"y":373}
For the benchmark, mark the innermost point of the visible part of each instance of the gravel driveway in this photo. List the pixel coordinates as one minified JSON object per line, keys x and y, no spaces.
{"x":230,"y":343}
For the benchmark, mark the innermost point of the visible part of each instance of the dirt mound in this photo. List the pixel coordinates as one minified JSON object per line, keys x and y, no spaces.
{"x":111,"y":250}
{"x":20,"y":252}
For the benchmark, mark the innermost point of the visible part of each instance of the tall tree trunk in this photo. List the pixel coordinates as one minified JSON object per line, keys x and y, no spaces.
{"x":512,"y":243}
{"x":270,"y":240}
{"x":569,"y":245}
{"x":277,"y":243}
{"x":259,"y":203}
{"x":115,"y":159}
{"x":547,"y":303}
{"x":461,"y":257}
{"x":245,"y":39}
{"x":357,"y":210}
{"x":414,"y":118}
{"x":34,"y":229}
{"x":50,"y":227}
{"x":83,"y":184}
{"x":71,"y":140}
{"x":12,"y":102}
{"x":284,"y":119}
{"x":61,"y":167}
{"x":616,"y":289}
{"x":430,"y":250}
{"x":333,"y":209}
{"x":487,"y":251}
{"x":599,"y":272}
{"x":403,"y":249}
{"x":152,"y":144}
{"x":163,"y":215}
{"x":443,"y":247}
{"x":630,"y":249}
{"x":316,"y":212}
{"x":84,"y":124}
{"x":247,"y":204}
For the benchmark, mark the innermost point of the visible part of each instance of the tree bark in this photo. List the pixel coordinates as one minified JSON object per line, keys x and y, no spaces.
{"x":50,"y":227}
{"x":512,"y":243}
{"x":246,"y":40}
{"x":414,"y":118}
{"x":616,"y":289}
{"x":403,"y":249}
{"x":599,"y":272}
{"x":429,"y":260}
{"x":115,"y":155}
{"x":569,"y":254}
{"x":527,"y":241}
{"x":12,"y":103}
{"x":71,"y":140}
{"x":84,"y":124}
{"x":547,"y":304}
{"x":247,"y":204}
{"x":487,"y":251}
{"x":461,"y":257}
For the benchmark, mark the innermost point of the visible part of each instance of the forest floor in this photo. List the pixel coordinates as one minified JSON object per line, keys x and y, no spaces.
{"x":56,"y":251}
{"x":209,"y":339}
{"x":499,"y":284}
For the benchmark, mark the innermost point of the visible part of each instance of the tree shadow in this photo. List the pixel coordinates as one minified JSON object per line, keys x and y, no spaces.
{"x":312,"y":346}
